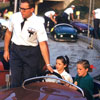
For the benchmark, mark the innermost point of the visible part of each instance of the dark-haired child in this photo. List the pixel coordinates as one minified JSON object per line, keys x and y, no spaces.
{"x":62,"y":63}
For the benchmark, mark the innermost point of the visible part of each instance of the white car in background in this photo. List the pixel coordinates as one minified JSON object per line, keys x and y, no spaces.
{"x":4,"y":22}
{"x":3,"y":27}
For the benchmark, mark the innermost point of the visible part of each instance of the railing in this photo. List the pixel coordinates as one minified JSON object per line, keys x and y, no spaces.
{"x":43,"y":77}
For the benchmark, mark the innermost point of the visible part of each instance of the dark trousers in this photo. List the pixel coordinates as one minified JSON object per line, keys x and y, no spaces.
{"x":65,"y":18}
{"x":51,"y":23}
{"x":24,"y":63}
{"x":96,"y":27}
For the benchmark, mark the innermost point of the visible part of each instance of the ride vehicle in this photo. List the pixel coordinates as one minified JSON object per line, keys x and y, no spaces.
{"x":64,"y":32}
{"x":4,"y":70}
{"x":82,"y":28}
{"x":41,"y":90}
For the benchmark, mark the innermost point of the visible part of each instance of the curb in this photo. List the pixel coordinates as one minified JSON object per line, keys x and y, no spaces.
{"x":96,"y":42}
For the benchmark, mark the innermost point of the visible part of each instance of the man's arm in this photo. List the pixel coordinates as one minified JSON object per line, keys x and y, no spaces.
{"x":93,"y":12}
{"x":45,"y":53}
{"x":72,"y":17}
{"x":53,"y":18}
{"x":6,"y":44}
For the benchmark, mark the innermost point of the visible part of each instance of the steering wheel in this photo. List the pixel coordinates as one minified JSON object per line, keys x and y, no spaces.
{"x":54,"y":73}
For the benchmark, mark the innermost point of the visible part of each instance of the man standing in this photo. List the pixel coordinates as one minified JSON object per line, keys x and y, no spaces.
{"x":96,"y":15}
{"x":68,"y":13}
{"x":28,"y":39}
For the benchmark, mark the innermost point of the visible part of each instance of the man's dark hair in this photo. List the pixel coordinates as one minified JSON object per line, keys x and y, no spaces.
{"x":65,"y":60}
{"x":30,"y":2}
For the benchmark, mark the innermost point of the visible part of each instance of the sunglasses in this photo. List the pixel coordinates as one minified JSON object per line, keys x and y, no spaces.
{"x":24,"y":8}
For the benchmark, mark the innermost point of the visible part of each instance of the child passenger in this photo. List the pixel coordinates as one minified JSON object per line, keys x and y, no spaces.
{"x":62,"y":63}
{"x":83,"y":79}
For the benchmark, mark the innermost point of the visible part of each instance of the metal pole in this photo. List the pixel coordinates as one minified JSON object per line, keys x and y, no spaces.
{"x":36,"y":8}
{"x":92,"y":10}
{"x":15,"y":6}
{"x":93,"y":4}
{"x":19,"y":3}
{"x":91,"y":41}
{"x":89,"y":17}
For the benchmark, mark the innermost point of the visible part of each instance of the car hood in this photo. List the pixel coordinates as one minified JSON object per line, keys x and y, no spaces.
{"x":80,"y":25}
{"x":41,"y":91}
{"x":65,"y":30}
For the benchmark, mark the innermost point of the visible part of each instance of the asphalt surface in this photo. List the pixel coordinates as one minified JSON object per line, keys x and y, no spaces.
{"x":75,"y":51}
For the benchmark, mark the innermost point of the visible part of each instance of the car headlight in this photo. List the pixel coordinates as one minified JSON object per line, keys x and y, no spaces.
{"x":83,"y":30}
{"x":71,"y":36}
{"x":61,"y":35}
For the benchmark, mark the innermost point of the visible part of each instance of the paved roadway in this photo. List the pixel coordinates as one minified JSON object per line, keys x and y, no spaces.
{"x":75,"y":51}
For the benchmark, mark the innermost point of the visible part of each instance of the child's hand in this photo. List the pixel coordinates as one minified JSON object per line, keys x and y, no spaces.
{"x":66,"y":84}
{"x":73,"y":86}
{"x":63,"y":77}
{"x":75,"y":82}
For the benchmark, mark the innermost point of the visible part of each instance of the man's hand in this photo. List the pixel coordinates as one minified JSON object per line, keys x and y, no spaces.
{"x":50,"y":68}
{"x":6,"y":55}
{"x":7,"y":39}
{"x":45,"y":53}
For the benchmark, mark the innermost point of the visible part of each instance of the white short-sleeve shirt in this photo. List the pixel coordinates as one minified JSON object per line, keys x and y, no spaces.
{"x":69,"y":11}
{"x":97,"y":13}
{"x":66,"y":76}
{"x":48,"y":13}
{"x":32,"y":25}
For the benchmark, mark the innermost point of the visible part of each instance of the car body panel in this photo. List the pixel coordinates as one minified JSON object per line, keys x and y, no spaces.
{"x":42,"y":91}
{"x":64,"y":32}
{"x":82,"y":28}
